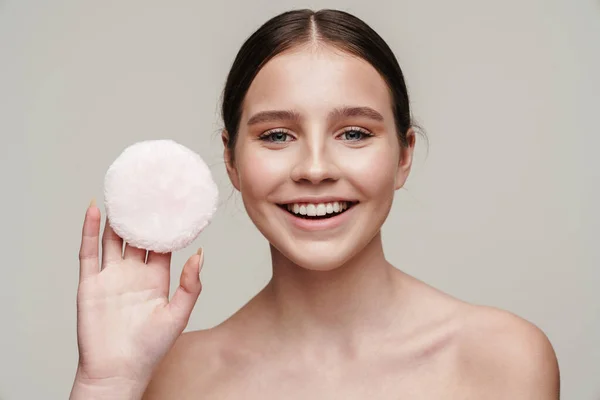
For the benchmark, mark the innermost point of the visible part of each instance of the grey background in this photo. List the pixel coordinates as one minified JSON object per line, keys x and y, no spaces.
{"x":502,"y":210}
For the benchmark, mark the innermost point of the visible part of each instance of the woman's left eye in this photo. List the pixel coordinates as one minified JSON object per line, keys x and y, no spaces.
{"x":355,"y":134}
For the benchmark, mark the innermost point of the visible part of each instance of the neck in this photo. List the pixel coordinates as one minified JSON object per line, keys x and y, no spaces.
{"x":338,"y":306}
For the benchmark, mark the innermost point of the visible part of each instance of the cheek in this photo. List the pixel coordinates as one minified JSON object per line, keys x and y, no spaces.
{"x":373,"y":170}
{"x":260,"y":172}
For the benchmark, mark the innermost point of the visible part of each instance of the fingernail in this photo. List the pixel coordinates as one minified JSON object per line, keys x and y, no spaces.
{"x":200,"y":260}
{"x":92,"y":203}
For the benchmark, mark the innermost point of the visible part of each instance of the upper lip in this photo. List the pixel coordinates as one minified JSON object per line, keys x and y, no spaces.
{"x":318,"y":199}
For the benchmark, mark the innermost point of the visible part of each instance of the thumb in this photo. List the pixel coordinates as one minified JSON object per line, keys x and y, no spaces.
{"x":189,"y":289}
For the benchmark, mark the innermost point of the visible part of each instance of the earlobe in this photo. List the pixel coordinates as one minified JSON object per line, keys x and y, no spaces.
{"x":400,"y":180}
{"x":229,"y":162}
{"x":405,"y":159}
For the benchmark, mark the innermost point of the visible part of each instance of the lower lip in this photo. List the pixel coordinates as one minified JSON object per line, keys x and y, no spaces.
{"x":319,"y":224}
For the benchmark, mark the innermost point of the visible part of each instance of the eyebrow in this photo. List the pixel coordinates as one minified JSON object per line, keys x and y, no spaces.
{"x":294,"y":116}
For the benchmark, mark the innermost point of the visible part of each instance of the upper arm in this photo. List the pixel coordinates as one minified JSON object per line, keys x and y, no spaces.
{"x":512,"y":358}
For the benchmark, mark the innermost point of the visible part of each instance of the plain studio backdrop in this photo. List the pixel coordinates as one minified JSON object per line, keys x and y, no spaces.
{"x":502,"y":209}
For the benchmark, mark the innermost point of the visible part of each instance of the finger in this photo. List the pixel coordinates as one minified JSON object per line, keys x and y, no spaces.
{"x":162,"y":263}
{"x":187,"y":293}
{"x":112,"y":246}
{"x":88,"y":252}
{"x":134,"y":253}
{"x":159,"y":259}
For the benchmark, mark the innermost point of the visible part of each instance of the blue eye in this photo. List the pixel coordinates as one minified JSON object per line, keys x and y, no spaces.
{"x":274,"y":137}
{"x":279,"y":136}
{"x":355,"y":134}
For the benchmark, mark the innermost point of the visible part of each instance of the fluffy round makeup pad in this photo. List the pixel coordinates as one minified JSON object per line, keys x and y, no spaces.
{"x":159,"y":195}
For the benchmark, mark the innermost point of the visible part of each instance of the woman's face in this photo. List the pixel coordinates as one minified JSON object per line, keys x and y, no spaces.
{"x":317,"y":135}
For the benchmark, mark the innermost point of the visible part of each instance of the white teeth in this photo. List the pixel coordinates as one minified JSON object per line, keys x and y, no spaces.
{"x":318,"y":209}
{"x":321,"y":209}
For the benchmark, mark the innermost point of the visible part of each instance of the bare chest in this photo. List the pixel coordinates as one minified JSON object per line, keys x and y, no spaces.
{"x":438,"y":377}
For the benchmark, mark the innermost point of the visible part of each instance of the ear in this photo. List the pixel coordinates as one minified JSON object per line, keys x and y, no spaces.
{"x":229,"y":161}
{"x":406,"y":158}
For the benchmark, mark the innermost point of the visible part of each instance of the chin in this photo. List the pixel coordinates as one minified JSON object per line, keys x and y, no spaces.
{"x":319,"y":257}
{"x":323,"y":265}
{"x":321,"y":250}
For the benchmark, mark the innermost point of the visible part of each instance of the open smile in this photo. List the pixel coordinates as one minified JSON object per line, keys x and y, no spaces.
{"x":318,"y":210}
{"x":318,"y":216}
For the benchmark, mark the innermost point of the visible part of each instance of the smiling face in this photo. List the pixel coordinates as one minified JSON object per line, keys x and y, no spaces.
{"x":317,"y":126}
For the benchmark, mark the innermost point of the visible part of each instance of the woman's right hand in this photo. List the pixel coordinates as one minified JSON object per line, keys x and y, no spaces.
{"x":125,"y":321}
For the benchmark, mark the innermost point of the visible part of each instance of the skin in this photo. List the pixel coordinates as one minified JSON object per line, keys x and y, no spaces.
{"x":337,"y":320}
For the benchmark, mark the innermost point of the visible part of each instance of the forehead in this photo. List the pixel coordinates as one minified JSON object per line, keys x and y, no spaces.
{"x":315,"y":80}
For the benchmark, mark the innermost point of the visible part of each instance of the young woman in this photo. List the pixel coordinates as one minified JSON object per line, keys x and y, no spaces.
{"x":318,"y":137}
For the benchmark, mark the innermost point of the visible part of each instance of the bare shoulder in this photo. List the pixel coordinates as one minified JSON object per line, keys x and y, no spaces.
{"x":504,"y":354}
{"x":188,"y":365}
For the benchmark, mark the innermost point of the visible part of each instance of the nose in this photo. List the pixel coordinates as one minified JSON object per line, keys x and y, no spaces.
{"x":315,"y":163}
